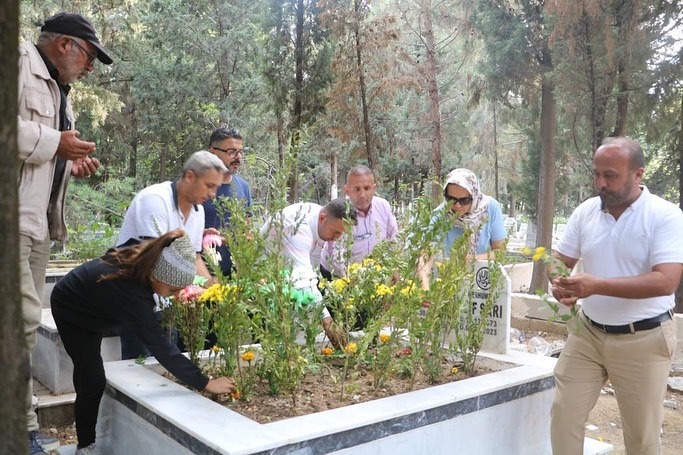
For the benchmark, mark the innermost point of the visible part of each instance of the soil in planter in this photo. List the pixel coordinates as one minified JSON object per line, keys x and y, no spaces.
{"x":321,"y":390}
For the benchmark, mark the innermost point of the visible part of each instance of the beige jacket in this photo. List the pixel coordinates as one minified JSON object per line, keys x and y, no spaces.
{"x":38,"y":138}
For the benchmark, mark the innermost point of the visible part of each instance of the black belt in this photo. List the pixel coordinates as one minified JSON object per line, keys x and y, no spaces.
{"x":645,"y":324}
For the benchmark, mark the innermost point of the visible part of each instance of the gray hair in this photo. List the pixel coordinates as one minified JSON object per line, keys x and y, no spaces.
{"x":47,"y":37}
{"x":202,"y":161}
{"x":359,"y":170}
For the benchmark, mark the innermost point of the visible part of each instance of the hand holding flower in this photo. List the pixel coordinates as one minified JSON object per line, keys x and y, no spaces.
{"x":567,"y":290}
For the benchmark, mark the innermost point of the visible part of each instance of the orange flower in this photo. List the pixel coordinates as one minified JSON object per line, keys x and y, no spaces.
{"x":384,"y":337}
{"x":235,"y":395}
{"x":248,"y":356}
{"x":328,"y":351}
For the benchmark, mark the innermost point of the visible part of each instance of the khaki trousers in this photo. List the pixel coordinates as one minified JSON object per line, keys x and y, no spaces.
{"x":637,"y":364}
{"x":33,"y":258}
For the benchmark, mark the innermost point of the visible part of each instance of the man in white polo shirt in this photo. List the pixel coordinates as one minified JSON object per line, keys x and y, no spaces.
{"x":165,"y":206}
{"x":629,"y":240}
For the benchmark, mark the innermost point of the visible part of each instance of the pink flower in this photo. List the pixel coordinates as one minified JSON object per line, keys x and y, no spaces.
{"x":191,"y":292}
{"x":211,"y":241}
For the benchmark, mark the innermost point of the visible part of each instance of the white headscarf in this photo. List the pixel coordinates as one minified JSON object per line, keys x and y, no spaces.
{"x":477,"y":214}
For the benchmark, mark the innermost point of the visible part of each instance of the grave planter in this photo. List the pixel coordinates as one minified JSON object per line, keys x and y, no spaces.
{"x":143,"y":412}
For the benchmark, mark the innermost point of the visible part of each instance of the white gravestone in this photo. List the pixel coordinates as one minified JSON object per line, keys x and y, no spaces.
{"x":497,"y":327}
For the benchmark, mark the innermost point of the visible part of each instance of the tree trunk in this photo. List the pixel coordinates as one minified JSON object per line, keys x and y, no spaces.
{"x":134,"y":141}
{"x":546,"y":180}
{"x":281,"y":138}
{"x":163,"y":157}
{"x":511,"y":200}
{"x":431,"y":73}
{"x":626,"y":21}
{"x":495,"y":154}
{"x":373,"y":162}
{"x":679,"y":292}
{"x":13,"y":353}
{"x":334,"y":178}
{"x":293,"y":181}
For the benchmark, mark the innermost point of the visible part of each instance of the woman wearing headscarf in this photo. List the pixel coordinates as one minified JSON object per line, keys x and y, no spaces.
{"x":116,"y":289}
{"x":472,"y":212}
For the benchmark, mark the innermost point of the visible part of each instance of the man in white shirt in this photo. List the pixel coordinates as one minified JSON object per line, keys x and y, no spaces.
{"x":305,"y":227}
{"x":165,"y":206}
{"x":632,"y":254}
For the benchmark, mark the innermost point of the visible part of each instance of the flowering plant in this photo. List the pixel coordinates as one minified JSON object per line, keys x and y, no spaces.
{"x":190,"y":315}
{"x":210,"y":242}
{"x":555,"y":268}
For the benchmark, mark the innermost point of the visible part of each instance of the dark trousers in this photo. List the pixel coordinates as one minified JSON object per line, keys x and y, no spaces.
{"x":83,"y":346}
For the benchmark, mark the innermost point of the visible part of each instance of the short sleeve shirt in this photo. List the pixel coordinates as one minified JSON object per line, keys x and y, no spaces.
{"x":645,"y":235}
{"x":156,"y":202}
{"x":492,"y":230}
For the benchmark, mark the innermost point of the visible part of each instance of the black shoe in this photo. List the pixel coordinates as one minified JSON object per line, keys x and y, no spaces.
{"x":34,"y":447}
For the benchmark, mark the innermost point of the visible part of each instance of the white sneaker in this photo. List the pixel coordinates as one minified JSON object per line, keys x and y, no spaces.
{"x":89,"y":450}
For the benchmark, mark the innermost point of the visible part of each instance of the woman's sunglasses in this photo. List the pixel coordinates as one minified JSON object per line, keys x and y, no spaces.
{"x":463,"y":201}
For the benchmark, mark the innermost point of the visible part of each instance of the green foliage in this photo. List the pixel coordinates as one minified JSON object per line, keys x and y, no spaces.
{"x":93,"y":215}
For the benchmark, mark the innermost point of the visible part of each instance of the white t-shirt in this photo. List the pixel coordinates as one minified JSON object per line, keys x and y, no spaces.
{"x":300,"y":242}
{"x":156,"y":202}
{"x":648,"y":233}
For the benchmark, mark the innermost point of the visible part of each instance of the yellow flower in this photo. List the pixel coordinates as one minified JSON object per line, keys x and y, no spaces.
{"x":353,"y":268}
{"x":215,"y":348}
{"x":454,"y":370}
{"x":349,"y":307}
{"x":216,"y":293}
{"x":248,"y":356}
{"x":539,"y":254}
{"x":340,"y":284}
{"x":384,"y":337}
{"x":328,"y":351}
{"x":527,"y":251}
{"x":383,"y":289}
{"x":408,"y":289}
{"x":367,"y":262}
{"x":351,"y":348}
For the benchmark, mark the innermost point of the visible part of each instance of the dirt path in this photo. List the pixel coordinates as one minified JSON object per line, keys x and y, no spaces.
{"x":605,"y":416}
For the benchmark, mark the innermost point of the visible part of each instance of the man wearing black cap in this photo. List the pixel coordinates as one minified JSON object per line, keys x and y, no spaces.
{"x":50,"y":150}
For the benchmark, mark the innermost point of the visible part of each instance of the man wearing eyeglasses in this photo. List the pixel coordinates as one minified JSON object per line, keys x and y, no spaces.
{"x":376,"y":222}
{"x":226,"y":144}
{"x":50,"y":150}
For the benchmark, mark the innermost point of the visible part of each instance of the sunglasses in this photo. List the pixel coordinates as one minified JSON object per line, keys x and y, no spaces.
{"x":463,"y":201}
{"x":367,"y":235}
